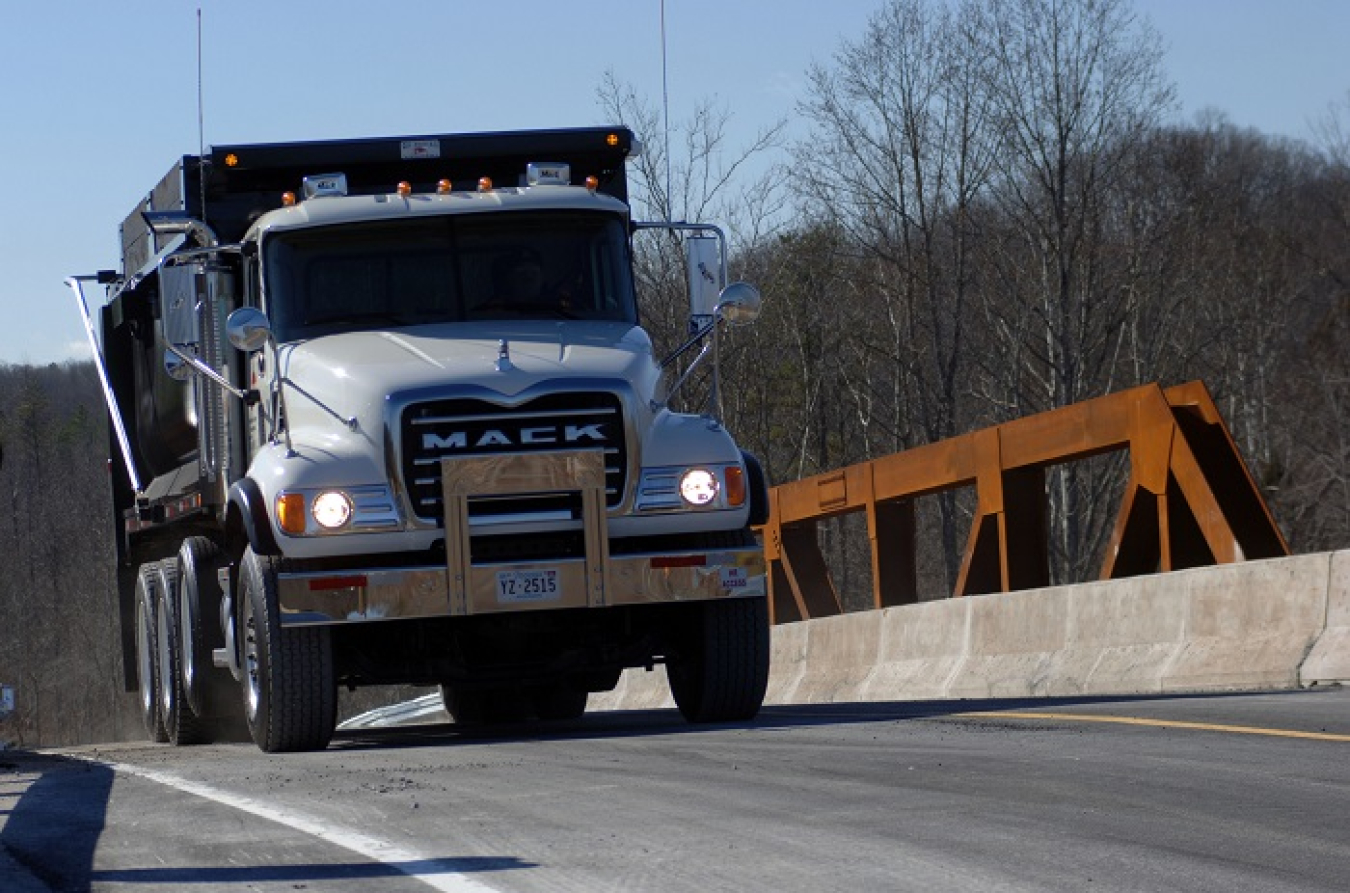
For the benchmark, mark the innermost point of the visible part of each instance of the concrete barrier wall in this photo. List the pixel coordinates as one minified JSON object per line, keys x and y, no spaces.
{"x":1259,"y":625}
{"x":1329,"y":660}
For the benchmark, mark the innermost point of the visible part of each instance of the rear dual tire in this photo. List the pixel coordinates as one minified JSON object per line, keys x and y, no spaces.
{"x":147,"y":653}
{"x":181,"y":723}
{"x":182,"y":697}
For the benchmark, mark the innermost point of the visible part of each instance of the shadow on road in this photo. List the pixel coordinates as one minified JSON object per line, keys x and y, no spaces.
{"x":643,"y":723}
{"x":302,"y":875}
{"x":54,"y":828}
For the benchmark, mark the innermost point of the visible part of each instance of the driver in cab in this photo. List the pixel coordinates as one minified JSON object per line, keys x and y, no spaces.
{"x":518,"y":280}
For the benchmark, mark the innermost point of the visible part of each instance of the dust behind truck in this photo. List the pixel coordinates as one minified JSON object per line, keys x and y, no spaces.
{"x":382,"y":411}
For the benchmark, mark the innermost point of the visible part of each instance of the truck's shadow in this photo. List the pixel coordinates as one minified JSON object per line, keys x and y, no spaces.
{"x":54,"y":828}
{"x":300,"y":875}
{"x":644,"y":723}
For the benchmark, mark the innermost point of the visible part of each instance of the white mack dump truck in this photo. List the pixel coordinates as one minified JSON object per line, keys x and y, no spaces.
{"x":381,"y":411}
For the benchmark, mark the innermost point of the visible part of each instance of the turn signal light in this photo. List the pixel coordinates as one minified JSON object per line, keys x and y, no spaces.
{"x":735,"y":486}
{"x":287,"y":199}
{"x":291,"y":513}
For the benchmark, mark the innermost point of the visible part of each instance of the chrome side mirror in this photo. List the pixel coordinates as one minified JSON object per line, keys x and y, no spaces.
{"x":248,"y":329}
{"x":739,"y":304}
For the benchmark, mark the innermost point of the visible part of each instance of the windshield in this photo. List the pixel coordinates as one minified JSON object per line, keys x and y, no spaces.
{"x":467,"y":268}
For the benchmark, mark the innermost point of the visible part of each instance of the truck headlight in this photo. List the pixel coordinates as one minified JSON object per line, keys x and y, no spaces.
{"x":332,"y":510}
{"x":323,"y":512}
{"x":698,"y":486}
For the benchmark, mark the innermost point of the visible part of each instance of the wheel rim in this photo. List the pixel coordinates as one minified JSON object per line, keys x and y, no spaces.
{"x":163,"y":646}
{"x":145,"y":660}
{"x":252,"y":689}
{"x":187,"y":595}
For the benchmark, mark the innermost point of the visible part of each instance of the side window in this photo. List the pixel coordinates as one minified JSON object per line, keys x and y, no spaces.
{"x":251,"y":296}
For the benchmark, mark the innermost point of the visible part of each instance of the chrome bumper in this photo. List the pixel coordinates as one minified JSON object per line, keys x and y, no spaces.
{"x":462,"y":588}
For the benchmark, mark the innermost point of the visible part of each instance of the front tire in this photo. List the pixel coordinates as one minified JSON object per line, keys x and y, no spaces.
{"x":290,"y":696}
{"x":721,"y":670}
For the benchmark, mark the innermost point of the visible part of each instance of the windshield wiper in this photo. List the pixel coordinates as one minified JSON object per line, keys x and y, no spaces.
{"x":545,"y":309}
{"x":356,"y":319}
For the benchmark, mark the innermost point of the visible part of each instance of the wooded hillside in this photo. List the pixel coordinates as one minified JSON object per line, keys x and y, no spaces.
{"x":986,"y":218}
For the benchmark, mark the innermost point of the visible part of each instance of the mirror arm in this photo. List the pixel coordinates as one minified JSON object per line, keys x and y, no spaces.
{"x":689,"y":342}
{"x":189,"y":254}
{"x":679,"y":383}
{"x":281,"y":417}
{"x":249,"y":397}
{"x":352,"y":423}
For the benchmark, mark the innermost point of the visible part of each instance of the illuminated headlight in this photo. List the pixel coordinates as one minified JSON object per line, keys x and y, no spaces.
{"x":368,"y":509}
{"x":712,"y":487}
{"x":698,"y":486}
{"x":331,"y":510}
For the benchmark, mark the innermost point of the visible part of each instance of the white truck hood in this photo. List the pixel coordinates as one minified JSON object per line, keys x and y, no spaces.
{"x":351,"y":374}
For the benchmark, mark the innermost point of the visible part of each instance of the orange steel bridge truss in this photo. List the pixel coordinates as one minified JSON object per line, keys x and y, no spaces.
{"x":1189,"y":501}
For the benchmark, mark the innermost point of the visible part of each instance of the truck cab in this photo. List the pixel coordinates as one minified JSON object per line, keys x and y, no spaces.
{"x":386,"y":413}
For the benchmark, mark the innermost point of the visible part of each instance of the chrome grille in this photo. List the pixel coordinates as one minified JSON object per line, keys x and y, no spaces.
{"x":472,"y":427}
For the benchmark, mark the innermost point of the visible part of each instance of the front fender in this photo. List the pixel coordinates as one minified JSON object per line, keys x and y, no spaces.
{"x":250,"y":506}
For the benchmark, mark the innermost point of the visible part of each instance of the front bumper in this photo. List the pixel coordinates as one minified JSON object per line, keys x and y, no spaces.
{"x":462,"y":588}
{"x":392,"y":593}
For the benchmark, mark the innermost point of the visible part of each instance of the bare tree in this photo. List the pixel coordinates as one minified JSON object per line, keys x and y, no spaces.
{"x":1311,"y":412}
{"x":898,"y":153}
{"x":1075,"y":88}
{"x":60,"y":641}
{"x":699,"y":176}
{"x":1332,"y":131}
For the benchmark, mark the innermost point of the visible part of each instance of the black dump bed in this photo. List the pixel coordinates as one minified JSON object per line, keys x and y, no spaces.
{"x":245,"y":181}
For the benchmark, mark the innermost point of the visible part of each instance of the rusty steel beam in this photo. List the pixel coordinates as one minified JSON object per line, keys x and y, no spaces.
{"x":1189,"y":500}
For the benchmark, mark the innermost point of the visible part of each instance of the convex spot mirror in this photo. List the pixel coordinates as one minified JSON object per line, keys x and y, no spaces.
{"x":176,"y":367}
{"x":248,"y":329}
{"x":739,"y":303}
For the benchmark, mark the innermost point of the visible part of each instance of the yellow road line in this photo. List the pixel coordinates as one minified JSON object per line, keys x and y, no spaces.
{"x":1160,"y":723}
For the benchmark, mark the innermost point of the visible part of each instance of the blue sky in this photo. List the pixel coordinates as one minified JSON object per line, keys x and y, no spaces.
{"x":97,"y":99}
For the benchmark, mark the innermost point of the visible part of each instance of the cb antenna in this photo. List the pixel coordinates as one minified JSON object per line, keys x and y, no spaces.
{"x":665,"y":107}
{"x":201,"y":119}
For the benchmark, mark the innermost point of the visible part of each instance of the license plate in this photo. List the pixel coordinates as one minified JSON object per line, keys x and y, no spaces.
{"x":528,"y":586}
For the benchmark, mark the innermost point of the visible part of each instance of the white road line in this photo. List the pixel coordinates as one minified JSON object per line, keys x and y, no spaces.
{"x":437,"y":874}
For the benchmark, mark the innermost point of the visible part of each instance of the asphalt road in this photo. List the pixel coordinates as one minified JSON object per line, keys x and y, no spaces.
{"x":1244,"y":792}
